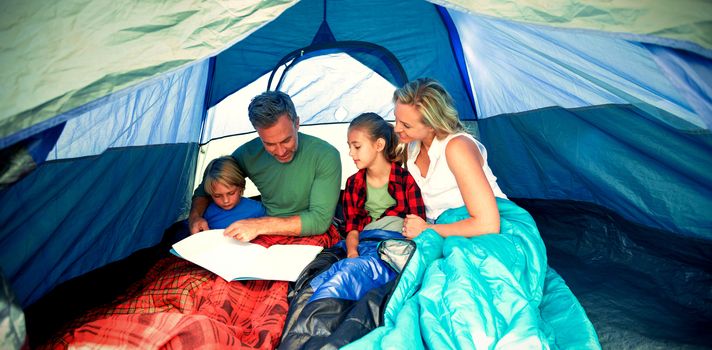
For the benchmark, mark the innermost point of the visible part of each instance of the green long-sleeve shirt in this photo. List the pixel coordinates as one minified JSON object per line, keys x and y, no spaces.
{"x":307,"y":186}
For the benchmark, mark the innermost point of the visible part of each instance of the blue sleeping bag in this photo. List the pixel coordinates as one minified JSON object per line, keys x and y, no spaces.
{"x":490,"y":291}
{"x":482,"y":292}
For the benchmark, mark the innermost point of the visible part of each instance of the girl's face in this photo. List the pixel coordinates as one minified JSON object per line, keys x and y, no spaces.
{"x":362,"y":149}
{"x":226,"y":196}
{"x":409,"y":124}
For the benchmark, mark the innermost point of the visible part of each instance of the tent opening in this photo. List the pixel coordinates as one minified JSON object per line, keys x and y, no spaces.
{"x":328,"y":90}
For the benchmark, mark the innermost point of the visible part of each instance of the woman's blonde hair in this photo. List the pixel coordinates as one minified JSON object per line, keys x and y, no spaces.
{"x":223,"y":170}
{"x":433,"y":102}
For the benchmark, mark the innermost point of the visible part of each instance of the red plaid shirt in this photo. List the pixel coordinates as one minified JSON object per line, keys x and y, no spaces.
{"x":401,"y":186}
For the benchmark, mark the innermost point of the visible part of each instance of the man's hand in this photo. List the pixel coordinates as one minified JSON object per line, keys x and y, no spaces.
{"x":244,"y":230}
{"x":198,"y":224}
{"x":248,"y":229}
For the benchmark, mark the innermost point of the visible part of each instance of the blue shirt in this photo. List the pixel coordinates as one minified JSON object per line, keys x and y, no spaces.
{"x":220,"y":218}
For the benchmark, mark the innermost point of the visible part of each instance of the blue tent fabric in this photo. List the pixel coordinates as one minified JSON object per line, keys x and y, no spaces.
{"x":617,"y":156}
{"x":691,"y":75}
{"x":394,"y":20}
{"x":129,"y":197}
{"x":573,"y":70}
{"x":128,"y":159}
{"x":44,"y":205}
{"x":165,"y":110}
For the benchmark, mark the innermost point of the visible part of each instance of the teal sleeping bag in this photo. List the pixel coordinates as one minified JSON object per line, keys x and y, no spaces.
{"x":485,"y":292}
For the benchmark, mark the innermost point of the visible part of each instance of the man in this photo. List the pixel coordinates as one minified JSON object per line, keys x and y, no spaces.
{"x":298,"y":175}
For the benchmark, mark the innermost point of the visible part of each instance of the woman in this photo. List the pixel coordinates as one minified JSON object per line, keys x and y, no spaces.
{"x":463,"y":287}
{"x":448,"y":164}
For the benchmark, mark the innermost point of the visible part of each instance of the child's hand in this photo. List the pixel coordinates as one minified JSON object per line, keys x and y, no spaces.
{"x":352,"y":244}
{"x":198,"y":225}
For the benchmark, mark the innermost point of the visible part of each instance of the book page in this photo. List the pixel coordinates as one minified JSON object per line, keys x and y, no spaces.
{"x":224,"y":256}
{"x":286,"y":262}
{"x":235,"y":260}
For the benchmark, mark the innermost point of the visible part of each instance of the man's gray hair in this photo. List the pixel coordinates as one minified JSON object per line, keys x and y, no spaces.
{"x":267,"y":107}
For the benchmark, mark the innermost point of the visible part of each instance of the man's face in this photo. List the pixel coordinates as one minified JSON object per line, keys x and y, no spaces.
{"x":280,"y":140}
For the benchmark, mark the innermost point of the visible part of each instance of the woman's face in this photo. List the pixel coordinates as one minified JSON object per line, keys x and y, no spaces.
{"x":226,"y":196}
{"x":409,"y":124}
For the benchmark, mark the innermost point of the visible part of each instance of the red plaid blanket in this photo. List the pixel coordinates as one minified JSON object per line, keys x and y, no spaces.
{"x":179,"y":305}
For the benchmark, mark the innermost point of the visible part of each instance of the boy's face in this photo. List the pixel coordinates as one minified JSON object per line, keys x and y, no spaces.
{"x":226,"y":196}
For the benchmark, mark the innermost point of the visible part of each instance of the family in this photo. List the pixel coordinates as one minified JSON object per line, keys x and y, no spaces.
{"x":424,"y":180}
{"x":433,"y":253}
{"x":298,"y":175}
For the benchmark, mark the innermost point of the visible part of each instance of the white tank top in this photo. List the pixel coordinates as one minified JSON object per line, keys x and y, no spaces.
{"x":439,"y":187}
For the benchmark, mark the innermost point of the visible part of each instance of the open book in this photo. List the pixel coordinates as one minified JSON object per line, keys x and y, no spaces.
{"x":235,"y":260}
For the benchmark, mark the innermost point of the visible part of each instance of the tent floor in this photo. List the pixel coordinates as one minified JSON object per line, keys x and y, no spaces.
{"x":641,"y":288}
{"x":638,"y":290}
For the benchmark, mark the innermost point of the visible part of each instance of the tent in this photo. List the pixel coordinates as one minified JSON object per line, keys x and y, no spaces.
{"x":596,"y":116}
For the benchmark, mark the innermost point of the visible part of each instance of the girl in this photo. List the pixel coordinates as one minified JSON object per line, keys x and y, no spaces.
{"x":381,"y":187}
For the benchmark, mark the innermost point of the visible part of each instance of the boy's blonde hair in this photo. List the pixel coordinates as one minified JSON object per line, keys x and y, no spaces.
{"x":433,"y":102}
{"x":222,"y":170}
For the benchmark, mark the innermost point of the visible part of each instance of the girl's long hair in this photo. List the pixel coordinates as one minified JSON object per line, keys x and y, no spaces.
{"x":377,"y":128}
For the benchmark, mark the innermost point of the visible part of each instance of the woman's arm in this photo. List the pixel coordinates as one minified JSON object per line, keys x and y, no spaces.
{"x":465,"y":162}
